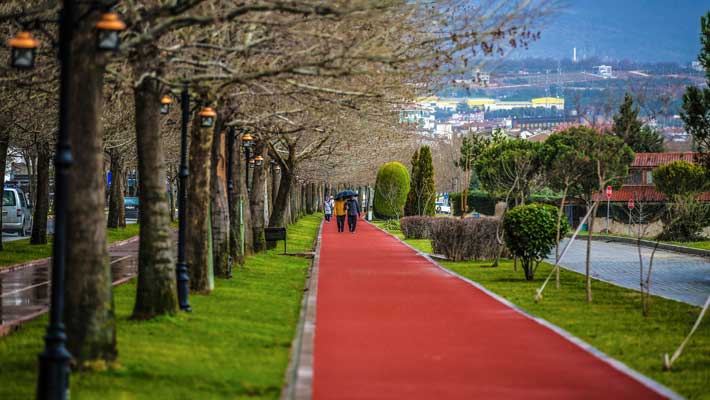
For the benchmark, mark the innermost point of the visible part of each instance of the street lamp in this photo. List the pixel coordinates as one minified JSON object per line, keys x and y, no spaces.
{"x":247,"y":142}
{"x":165,"y":102}
{"x":252,"y":163}
{"x":181,"y":267}
{"x":24,"y":48}
{"x":258,"y":161}
{"x":109,"y":26}
{"x":207,"y":117}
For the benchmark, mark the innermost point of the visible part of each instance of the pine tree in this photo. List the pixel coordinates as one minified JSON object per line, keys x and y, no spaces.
{"x":427,"y":197}
{"x":627,"y":125}
{"x":696,"y":100}
{"x":411,"y":207}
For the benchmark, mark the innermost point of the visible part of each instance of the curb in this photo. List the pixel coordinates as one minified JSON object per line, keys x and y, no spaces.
{"x":15,"y":325}
{"x":616,"y":364}
{"x":34,"y":263}
{"x":651,"y":244}
{"x":299,"y":374}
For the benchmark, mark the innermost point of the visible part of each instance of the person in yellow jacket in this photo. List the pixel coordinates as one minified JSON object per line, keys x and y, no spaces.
{"x":340,"y":212}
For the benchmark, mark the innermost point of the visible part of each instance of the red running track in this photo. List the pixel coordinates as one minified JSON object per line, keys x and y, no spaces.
{"x":391,"y":325}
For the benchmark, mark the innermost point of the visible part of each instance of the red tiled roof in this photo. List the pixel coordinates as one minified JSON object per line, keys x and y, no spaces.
{"x":652,"y":160}
{"x":642,"y":193}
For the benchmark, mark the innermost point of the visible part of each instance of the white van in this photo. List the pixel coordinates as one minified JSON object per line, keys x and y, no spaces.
{"x":16,"y":215}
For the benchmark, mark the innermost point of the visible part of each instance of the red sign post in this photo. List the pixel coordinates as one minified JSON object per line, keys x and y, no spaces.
{"x":608,"y":199}
{"x":631,"y":204}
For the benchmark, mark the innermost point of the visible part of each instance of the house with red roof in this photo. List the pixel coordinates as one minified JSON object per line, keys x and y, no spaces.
{"x":639,"y":183}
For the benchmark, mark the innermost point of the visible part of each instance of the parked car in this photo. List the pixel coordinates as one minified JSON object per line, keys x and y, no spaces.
{"x":442,"y":208}
{"x":130,"y":206}
{"x":16,"y":215}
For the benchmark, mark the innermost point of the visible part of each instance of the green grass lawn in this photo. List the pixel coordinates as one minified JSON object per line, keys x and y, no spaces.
{"x":612,"y":323}
{"x":704,"y":244}
{"x":234,"y":345}
{"x":19,"y":251}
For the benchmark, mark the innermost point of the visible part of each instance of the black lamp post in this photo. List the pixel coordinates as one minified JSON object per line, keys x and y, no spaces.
{"x":53,"y":377}
{"x":24,"y":49}
{"x":258,"y":161}
{"x":181,"y":267}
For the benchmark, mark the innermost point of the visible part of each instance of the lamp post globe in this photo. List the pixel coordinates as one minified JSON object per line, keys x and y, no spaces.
{"x":165,"y":102}
{"x":24,"y":49}
{"x":258,"y":161}
{"x":252,"y":162}
{"x":277,"y":169}
{"x":247,"y":140}
{"x":109,"y":26}
{"x":207,"y":117}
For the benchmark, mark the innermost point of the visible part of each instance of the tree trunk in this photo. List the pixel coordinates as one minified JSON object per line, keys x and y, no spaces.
{"x":557,"y":245}
{"x":41,"y":205}
{"x":4,"y":144}
{"x":116,"y":212}
{"x":256,"y":198}
{"x":275,"y":179}
{"x":171,"y":199}
{"x":238,"y":202}
{"x":156,"y":293}
{"x":198,"y":202}
{"x":219,"y":207}
{"x":89,"y":308}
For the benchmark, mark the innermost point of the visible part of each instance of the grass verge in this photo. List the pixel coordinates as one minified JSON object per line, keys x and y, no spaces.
{"x":234,"y":345}
{"x":612,"y":323}
{"x":19,"y":251}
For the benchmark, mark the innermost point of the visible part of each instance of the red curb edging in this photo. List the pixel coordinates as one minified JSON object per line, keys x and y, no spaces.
{"x":15,"y":325}
{"x":34,"y":263}
{"x":299,"y":374}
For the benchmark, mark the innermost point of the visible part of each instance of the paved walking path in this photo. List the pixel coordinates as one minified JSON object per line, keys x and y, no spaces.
{"x":392,"y":325}
{"x":25,"y":291}
{"x":675,"y":276}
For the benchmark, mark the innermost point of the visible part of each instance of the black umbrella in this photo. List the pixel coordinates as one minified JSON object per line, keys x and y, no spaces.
{"x":345,"y":193}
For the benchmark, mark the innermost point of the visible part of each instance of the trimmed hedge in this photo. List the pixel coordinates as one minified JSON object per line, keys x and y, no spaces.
{"x":415,"y":227}
{"x":465,"y":239}
{"x":481,"y":202}
{"x":391,"y":190}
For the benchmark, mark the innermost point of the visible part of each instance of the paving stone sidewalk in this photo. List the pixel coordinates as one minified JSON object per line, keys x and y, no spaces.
{"x":675,"y":276}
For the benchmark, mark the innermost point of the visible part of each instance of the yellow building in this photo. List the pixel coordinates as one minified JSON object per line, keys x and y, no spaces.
{"x":549,"y":102}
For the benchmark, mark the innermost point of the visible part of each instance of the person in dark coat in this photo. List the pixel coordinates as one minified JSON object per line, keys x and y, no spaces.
{"x":353,"y":208}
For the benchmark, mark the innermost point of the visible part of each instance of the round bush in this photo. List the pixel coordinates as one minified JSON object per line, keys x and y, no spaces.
{"x":531,"y":234}
{"x":391,"y":189}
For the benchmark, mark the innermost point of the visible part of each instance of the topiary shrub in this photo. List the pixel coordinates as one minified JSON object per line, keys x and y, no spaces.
{"x":464,"y":239}
{"x":391,"y":189}
{"x":531,"y":234}
{"x":415,"y":227}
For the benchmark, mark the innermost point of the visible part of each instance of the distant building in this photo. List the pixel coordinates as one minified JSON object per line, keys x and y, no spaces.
{"x":605,"y":71}
{"x":639,"y":182}
{"x":542,"y":123}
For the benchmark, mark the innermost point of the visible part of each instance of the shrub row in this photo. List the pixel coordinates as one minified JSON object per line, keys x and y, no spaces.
{"x":415,"y":227}
{"x":465,"y":239}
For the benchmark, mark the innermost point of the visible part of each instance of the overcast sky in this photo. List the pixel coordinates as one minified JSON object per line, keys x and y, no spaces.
{"x":640,"y":30}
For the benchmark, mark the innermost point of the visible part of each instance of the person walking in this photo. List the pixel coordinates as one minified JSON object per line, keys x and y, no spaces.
{"x":328,"y":208}
{"x":353,"y":213}
{"x":340,"y":212}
